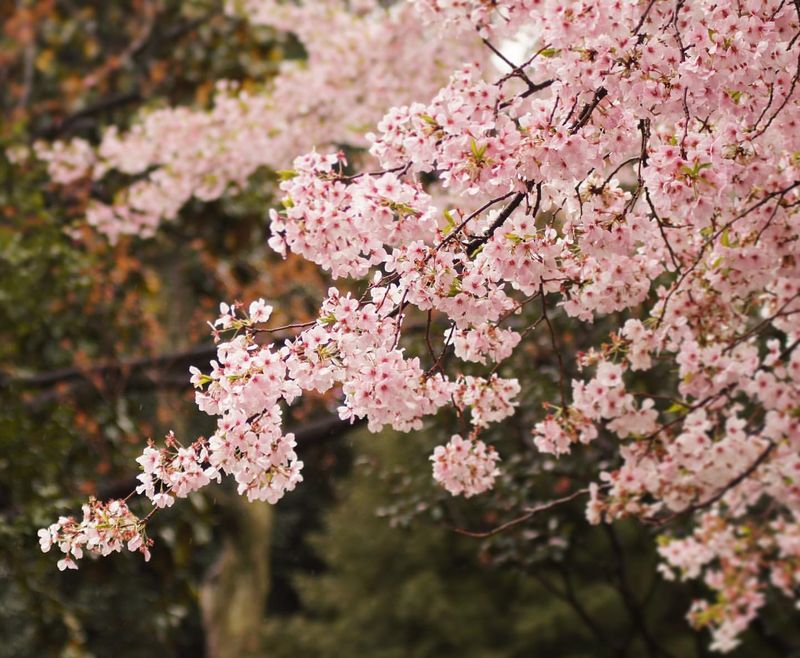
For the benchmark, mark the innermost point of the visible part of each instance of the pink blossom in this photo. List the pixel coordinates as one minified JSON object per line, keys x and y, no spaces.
{"x":465,"y":467}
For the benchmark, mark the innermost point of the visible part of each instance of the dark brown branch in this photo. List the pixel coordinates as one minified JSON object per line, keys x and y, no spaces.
{"x":479,"y":241}
{"x":144,"y":372}
{"x":615,"y":171}
{"x":583,"y":118}
{"x":787,"y":98}
{"x":791,"y":348}
{"x":533,"y":87}
{"x":438,"y":364}
{"x":642,"y":20}
{"x":103,"y":105}
{"x":562,"y":384}
{"x":518,"y":72}
{"x":712,"y":240}
{"x":644,"y":129}
{"x":113,"y":370}
{"x":673,"y":256}
{"x":452,"y":235}
{"x":764,"y":324}
{"x":632,"y":605}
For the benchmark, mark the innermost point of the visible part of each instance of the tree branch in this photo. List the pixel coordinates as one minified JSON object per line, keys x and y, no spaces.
{"x":314,"y":433}
{"x":529,"y":514}
{"x":119,"y":369}
{"x":583,"y":118}
{"x":719,"y":494}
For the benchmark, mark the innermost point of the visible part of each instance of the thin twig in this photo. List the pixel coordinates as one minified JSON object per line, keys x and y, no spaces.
{"x":719,"y":494}
{"x":529,"y":514}
{"x":561,"y":373}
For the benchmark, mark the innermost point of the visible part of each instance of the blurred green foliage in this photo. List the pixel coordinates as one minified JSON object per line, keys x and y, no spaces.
{"x":419,"y":589}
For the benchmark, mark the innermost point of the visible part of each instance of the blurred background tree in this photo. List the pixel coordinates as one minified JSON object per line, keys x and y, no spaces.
{"x":97,"y":339}
{"x":366,"y":558}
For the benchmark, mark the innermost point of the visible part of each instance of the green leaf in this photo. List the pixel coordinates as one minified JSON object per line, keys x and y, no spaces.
{"x":450,"y":222}
{"x":455,"y":288}
{"x":402,"y":209}
{"x":735,"y":95}
{"x":694,"y":171}
{"x":477,"y":151}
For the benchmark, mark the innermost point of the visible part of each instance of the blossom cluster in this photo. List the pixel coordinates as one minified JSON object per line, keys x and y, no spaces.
{"x":484,"y":342}
{"x":346,"y":228}
{"x":106,"y":527}
{"x":465,"y":467}
{"x":731,"y":559}
{"x":352,"y":345}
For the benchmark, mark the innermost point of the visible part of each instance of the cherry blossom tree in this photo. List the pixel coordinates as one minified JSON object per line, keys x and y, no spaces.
{"x":636,"y":160}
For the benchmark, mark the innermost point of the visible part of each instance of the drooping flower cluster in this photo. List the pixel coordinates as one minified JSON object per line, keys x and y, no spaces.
{"x":465,"y":467}
{"x":733,"y":559}
{"x":485,"y":342}
{"x":244,"y":388}
{"x":172,"y":471}
{"x":106,"y":528}
{"x":491,"y":400}
{"x":638,"y":163}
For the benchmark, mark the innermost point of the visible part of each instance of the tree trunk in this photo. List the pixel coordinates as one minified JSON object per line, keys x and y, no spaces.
{"x":234,"y":595}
